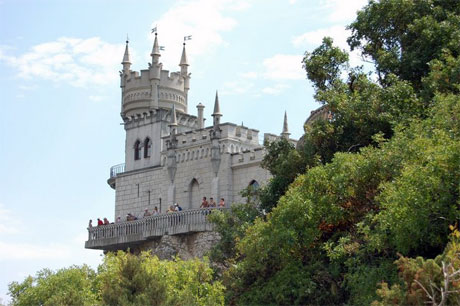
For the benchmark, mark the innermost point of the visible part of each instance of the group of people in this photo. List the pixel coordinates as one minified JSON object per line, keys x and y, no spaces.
{"x":99,"y":222}
{"x":212,"y":203}
{"x":173,"y":208}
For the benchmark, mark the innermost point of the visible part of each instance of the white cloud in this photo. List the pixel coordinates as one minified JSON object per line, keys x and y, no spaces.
{"x":236,"y":88}
{"x":249,"y":75}
{"x":276,"y":89}
{"x":340,"y":10}
{"x":205,"y":20}
{"x":9,"y":224}
{"x":26,"y":251}
{"x":96,"y":98}
{"x":27,"y":87}
{"x":284,"y":67}
{"x":311,"y":40}
{"x":75,"y":61}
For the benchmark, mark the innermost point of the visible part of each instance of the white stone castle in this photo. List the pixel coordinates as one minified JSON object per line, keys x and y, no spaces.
{"x":170,"y":155}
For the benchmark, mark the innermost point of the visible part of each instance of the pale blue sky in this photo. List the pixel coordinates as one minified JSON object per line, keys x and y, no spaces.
{"x":60,"y":99}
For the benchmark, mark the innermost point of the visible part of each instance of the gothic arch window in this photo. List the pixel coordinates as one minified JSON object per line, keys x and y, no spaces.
{"x":137,"y":150}
{"x":147,"y":147}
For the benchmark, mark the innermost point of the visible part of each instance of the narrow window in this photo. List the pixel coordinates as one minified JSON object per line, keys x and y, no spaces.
{"x":147,"y":147}
{"x":137,"y":149}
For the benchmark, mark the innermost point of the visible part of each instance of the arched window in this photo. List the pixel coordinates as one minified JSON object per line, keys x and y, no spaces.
{"x":137,"y":150}
{"x":253,"y":192}
{"x":147,"y":147}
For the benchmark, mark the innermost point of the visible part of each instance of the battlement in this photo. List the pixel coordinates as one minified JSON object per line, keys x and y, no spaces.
{"x":147,"y":90}
{"x":244,"y":158}
{"x":268,"y":137}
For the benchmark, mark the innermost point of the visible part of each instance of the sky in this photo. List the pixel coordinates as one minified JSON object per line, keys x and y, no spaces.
{"x":60,"y":100}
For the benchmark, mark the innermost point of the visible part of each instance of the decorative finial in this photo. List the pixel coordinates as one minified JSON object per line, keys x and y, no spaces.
{"x":127,"y":38}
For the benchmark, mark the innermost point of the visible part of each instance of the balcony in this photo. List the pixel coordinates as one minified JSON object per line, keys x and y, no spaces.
{"x":130,"y":233}
{"x":114,"y":171}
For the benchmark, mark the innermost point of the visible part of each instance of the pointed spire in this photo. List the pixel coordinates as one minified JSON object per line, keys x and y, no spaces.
{"x":126,"y":55}
{"x":216,"y":107}
{"x":173,"y":122}
{"x":285,"y":133}
{"x":155,"y":49}
{"x":183,"y":58}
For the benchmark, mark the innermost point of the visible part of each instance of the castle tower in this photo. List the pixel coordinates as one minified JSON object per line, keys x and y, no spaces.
{"x":149,"y":97}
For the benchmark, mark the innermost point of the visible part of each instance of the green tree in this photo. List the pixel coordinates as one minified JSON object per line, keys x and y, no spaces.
{"x":402,"y":37}
{"x":127,"y":279}
{"x":284,"y":162}
{"x":69,"y":286}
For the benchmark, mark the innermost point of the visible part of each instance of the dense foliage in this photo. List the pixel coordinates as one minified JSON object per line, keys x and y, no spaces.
{"x":381,"y":174}
{"x":123,"y":279}
{"x":364,"y":211}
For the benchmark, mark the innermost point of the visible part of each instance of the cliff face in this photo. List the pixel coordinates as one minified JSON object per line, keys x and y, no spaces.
{"x":186,"y":246}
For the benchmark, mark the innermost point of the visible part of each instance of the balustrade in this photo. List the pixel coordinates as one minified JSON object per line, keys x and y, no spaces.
{"x":152,"y":226}
{"x":117,"y":169}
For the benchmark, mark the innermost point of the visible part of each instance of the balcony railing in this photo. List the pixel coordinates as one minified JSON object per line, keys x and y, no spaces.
{"x":117,"y":169}
{"x":129,"y":233}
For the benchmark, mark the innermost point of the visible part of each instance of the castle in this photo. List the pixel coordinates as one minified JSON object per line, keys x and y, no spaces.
{"x":170,"y":155}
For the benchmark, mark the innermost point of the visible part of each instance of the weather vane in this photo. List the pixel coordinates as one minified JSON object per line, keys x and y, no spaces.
{"x":154,"y":30}
{"x":188,"y":37}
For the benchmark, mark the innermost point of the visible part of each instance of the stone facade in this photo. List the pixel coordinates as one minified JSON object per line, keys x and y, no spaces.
{"x":172,"y":157}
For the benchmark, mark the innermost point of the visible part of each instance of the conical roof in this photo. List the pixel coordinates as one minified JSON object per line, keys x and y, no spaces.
{"x":183,"y":58}
{"x":216,"y":107}
{"x":126,"y":55}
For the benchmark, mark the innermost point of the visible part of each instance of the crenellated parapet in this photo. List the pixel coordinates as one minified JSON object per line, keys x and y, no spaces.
{"x":248,"y":157}
{"x":268,"y":137}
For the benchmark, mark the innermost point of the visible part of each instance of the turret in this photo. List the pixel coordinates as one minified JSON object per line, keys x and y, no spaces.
{"x":183,"y":63}
{"x":200,"y":108}
{"x":216,"y":114}
{"x":285,"y":133}
{"x":126,"y":62}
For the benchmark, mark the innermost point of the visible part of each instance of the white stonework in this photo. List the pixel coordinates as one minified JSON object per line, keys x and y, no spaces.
{"x":170,"y":155}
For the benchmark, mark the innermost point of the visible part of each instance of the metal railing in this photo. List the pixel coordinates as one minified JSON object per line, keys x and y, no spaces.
{"x":117,"y":169}
{"x":153,"y":226}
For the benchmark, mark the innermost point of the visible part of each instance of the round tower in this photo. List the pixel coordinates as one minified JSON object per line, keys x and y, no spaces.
{"x":153,"y":88}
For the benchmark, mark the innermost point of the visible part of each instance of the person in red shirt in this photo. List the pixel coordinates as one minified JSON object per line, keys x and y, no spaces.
{"x":99,"y":222}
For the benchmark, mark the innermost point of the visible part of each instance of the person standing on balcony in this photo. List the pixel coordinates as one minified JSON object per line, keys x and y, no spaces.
{"x":222,"y":202}
{"x":90,"y":225}
{"x":155,"y":211}
{"x":146,"y":213}
{"x":205,"y":203}
{"x":212,"y":203}
{"x":99,"y":222}
{"x":106,"y":221}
